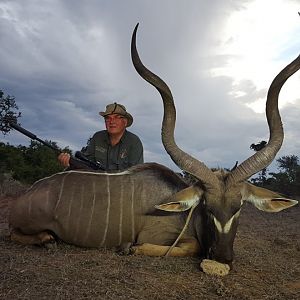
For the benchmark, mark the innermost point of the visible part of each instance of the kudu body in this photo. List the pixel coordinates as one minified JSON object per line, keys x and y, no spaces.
{"x":103,"y":210}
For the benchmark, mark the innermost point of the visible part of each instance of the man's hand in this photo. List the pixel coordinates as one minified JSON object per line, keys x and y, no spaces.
{"x":64,"y":159}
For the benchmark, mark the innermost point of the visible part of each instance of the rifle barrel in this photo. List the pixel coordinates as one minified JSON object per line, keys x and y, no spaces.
{"x":74,"y":161}
{"x":33,"y":136}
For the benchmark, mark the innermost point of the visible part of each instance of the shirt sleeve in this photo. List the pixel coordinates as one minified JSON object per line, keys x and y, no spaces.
{"x":89,"y":150}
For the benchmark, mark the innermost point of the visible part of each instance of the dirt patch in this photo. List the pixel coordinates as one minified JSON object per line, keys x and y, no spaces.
{"x":266,"y":266}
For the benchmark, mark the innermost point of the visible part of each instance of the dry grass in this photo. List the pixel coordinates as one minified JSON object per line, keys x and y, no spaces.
{"x":266,"y":266}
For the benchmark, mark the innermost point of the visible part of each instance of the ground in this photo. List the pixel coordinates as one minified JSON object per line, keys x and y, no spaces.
{"x":266,"y":266}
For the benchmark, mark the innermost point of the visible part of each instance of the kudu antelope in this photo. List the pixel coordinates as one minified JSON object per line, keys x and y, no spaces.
{"x":93,"y":209}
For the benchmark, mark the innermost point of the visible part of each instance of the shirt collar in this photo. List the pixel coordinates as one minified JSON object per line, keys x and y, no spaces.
{"x":107,"y":140}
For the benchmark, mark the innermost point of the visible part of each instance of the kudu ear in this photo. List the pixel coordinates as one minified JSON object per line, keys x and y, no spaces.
{"x":183,"y":200}
{"x":266,"y":200}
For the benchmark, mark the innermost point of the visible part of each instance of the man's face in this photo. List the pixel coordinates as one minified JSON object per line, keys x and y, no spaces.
{"x":115,"y":124}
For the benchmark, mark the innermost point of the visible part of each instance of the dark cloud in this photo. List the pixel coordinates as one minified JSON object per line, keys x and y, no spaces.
{"x":65,"y":60}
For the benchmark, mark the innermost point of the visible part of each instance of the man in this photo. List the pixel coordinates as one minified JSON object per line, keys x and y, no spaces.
{"x":115,"y":148}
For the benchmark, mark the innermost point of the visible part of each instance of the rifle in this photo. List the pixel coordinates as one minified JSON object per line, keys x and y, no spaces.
{"x":79,"y":162}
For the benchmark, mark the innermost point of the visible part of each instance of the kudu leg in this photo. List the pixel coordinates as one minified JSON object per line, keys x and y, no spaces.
{"x":31,"y":239}
{"x":184,"y":248}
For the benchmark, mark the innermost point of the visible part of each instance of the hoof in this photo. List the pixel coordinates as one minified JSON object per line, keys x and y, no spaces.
{"x":51,"y":246}
{"x":125,"y":249}
{"x":46,"y":238}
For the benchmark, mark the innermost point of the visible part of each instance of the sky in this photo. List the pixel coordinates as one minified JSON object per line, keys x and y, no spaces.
{"x":65,"y":60}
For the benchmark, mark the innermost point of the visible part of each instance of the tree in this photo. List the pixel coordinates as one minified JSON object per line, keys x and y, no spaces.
{"x":289,"y":164}
{"x":8,"y":112}
{"x":28,"y":164}
{"x":287,"y":180}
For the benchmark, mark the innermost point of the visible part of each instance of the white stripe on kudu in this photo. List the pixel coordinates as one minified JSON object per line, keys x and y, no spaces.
{"x":107,"y":211}
{"x":61,"y":191}
{"x":69,"y":209}
{"x":228,"y":224}
{"x":132,"y":209}
{"x":97,"y":173}
{"x":218,"y":225}
{"x":121,"y":212}
{"x":92,"y":213}
{"x":80,"y":211}
{"x":30,"y":203}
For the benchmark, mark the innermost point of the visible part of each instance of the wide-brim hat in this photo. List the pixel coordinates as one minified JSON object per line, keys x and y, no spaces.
{"x":119,"y":109}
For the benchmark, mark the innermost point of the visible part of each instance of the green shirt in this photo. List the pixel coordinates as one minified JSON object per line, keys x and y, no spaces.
{"x":128,"y":152}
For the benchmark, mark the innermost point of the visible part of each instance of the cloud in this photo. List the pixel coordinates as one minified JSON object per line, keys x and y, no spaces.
{"x":65,"y":60}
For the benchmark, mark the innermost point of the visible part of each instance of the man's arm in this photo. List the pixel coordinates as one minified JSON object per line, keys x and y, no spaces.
{"x":89,"y":150}
{"x":136,"y":155}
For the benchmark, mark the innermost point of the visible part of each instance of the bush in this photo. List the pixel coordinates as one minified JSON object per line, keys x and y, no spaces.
{"x":10,"y":186}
